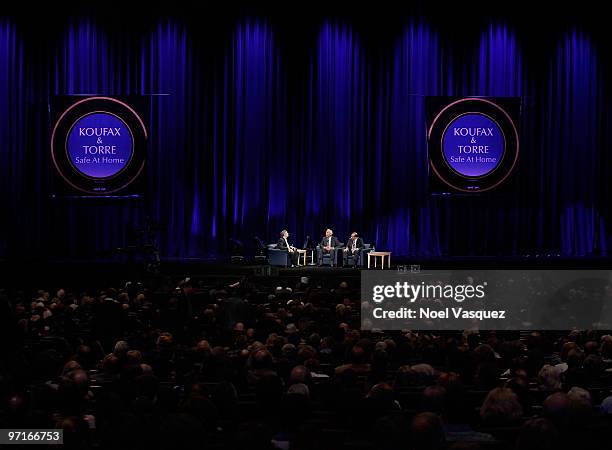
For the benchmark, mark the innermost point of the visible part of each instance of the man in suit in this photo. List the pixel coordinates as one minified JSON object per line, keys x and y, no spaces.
{"x":283,"y":244}
{"x":328,"y":244}
{"x":353,"y":248}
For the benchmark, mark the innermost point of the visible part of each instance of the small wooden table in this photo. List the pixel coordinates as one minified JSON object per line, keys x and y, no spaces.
{"x":382,"y":257}
{"x":301,"y":253}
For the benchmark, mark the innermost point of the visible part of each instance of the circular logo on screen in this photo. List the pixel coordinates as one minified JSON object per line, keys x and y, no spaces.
{"x":473,"y":145}
{"x":98,"y":145}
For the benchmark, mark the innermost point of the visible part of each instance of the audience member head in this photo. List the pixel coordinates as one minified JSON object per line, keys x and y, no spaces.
{"x":538,"y":434}
{"x":606,"y":406}
{"x":121,"y":348}
{"x":300,"y":374}
{"x":556,"y":407}
{"x":501,"y":407}
{"x":434,"y":398}
{"x":581,"y":405}
{"x":426,"y":432}
{"x":549,"y":378}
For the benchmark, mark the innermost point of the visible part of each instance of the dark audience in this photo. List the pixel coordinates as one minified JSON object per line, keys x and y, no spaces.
{"x":255,"y":365}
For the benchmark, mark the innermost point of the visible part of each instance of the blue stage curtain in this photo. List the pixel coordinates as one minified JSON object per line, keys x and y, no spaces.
{"x":574,"y":142}
{"x":336,"y":130}
{"x":252,"y":164}
{"x":251,"y":134}
{"x":13,"y":97}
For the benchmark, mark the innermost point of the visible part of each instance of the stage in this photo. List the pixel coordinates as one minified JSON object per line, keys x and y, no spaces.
{"x":98,"y":273}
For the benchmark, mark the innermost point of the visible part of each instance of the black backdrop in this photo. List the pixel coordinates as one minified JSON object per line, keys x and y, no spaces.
{"x":305,"y":118}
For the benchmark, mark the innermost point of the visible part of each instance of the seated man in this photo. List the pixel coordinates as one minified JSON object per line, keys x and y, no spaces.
{"x":283,"y":244}
{"x":328,"y":244}
{"x":353,"y":248}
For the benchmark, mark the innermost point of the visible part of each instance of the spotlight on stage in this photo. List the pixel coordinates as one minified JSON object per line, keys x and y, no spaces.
{"x":260,"y":250}
{"x":236,"y":249}
{"x":308,"y":244}
{"x":310,"y":247}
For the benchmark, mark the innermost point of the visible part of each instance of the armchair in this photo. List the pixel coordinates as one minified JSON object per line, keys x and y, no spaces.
{"x":278,"y":257}
{"x":367,"y":248}
{"x":330,"y":259}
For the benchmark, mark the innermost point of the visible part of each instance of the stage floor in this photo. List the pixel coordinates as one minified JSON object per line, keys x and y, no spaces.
{"x":101,"y":273}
